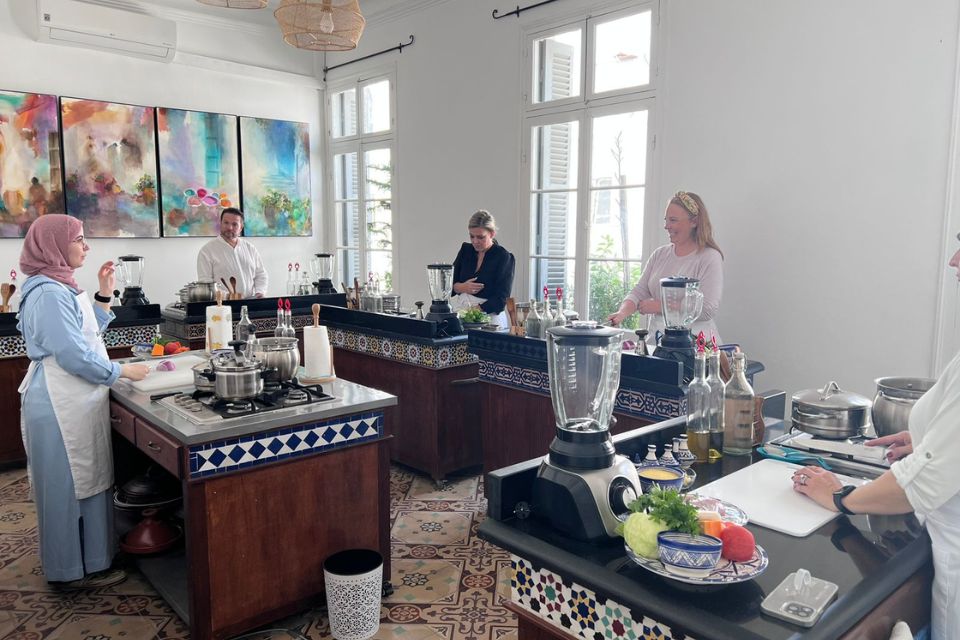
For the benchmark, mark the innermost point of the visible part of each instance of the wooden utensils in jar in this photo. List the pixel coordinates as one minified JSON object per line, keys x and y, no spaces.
{"x":7,"y":290}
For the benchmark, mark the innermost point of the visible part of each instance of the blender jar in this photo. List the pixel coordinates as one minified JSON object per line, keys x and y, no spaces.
{"x":130,"y":270}
{"x":322,"y":264}
{"x":440,"y":278}
{"x":681,"y":301}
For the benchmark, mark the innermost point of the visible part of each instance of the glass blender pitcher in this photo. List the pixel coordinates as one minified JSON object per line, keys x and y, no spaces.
{"x":322,"y":265}
{"x":440,"y":279}
{"x":129,"y":271}
{"x":681,"y":303}
{"x":582,"y":486}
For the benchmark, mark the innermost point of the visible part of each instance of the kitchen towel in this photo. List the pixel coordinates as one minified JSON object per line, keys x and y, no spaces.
{"x":219,"y":327}
{"x":317,"y":355}
{"x":764,"y":490}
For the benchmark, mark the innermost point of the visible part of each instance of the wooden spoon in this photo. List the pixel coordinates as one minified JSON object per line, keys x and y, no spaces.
{"x":316,"y":314}
{"x":5,"y":294}
{"x":233,"y":285}
{"x":226,"y":286}
{"x":219,"y":297}
{"x":512,"y":313}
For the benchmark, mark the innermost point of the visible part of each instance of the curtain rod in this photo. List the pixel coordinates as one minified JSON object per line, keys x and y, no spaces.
{"x":519,"y":10}
{"x":399,"y":48}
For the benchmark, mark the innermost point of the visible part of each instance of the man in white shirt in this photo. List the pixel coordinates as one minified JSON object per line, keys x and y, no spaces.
{"x":230,"y":255}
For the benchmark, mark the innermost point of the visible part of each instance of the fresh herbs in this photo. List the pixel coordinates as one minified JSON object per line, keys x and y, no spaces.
{"x":474,"y":315}
{"x":669,"y":508}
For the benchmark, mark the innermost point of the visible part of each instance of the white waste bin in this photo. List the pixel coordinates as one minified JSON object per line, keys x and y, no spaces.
{"x":354,"y":581}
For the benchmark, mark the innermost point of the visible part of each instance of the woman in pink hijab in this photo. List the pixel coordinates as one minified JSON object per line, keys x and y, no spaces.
{"x":65,"y":404}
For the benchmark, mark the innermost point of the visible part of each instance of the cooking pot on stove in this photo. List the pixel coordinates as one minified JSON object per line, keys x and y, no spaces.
{"x":201,"y":380}
{"x":282,"y":355}
{"x":830,"y":412}
{"x":236,"y":377}
{"x":201,"y":291}
{"x":894,"y":400}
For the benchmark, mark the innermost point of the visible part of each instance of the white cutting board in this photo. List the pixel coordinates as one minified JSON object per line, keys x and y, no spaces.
{"x":182,"y":376}
{"x":764,"y":490}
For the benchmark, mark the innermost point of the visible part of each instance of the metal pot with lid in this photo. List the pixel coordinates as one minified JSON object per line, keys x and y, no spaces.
{"x":894,"y":401}
{"x":236,"y":377}
{"x":830,"y":412}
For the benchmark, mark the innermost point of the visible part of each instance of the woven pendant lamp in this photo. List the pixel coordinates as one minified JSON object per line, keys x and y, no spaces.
{"x":236,"y":4}
{"x":320,"y":25}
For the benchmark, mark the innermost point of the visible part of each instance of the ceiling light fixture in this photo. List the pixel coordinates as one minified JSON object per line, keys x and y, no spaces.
{"x":320,"y":25}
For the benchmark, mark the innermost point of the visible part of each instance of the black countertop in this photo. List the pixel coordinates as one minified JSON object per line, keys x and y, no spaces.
{"x":867,"y":557}
{"x":129,"y":316}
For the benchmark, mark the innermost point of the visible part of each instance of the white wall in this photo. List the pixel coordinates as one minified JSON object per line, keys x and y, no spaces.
{"x":27,"y":65}
{"x":817,"y":132}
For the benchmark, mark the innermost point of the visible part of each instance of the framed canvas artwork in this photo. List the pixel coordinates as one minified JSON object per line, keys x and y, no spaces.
{"x":275,"y":177}
{"x":110,"y":168}
{"x":199,"y":170}
{"x":31,"y":180}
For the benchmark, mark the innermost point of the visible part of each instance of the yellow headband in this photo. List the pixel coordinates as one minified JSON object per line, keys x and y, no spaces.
{"x":687,"y":202}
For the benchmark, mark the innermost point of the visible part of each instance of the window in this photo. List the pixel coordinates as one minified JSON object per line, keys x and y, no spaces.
{"x":361,"y":170}
{"x":588,"y":133}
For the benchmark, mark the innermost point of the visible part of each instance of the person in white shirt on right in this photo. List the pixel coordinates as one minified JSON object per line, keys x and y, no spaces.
{"x":230,"y":255}
{"x":923,"y":479}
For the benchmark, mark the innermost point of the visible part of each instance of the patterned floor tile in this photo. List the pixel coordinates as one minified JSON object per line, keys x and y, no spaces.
{"x":445,"y":527}
{"x":423,"y":488}
{"x":24,"y":574}
{"x":104,"y":628}
{"x":17,"y":517}
{"x":425,"y":581}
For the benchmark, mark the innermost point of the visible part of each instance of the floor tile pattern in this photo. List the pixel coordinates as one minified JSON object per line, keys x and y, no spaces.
{"x":448,"y":584}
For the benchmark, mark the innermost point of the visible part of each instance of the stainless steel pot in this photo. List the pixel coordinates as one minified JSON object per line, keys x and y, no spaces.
{"x":391,"y":303}
{"x":281,"y":355}
{"x":200,"y":378}
{"x":830,"y":412}
{"x":894,"y":401}
{"x":200,"y":291}
{"x":236,"y":377}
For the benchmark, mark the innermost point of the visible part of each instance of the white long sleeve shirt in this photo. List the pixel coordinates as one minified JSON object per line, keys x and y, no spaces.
{"x":705,"y":265}
{"x":217,"y":259}
{"x":931,"y":482}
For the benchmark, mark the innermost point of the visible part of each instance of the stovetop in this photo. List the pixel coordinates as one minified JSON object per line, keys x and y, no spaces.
{"x":203,"y":407}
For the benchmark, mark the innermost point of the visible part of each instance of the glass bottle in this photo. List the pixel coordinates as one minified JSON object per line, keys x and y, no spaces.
{"x":715,"y":409}
{"x":291,"y":283}
{"x":278,"y":330}
{"x":698,"y":410}
{"x":245,"y":326}
{"x":288,"y":330}
{"x":738,"y":410}
{"x":531,"y":326}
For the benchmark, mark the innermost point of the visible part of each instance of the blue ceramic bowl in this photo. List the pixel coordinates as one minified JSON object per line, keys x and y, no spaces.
{"x":688,"y":555}
{"x":656,"y":477}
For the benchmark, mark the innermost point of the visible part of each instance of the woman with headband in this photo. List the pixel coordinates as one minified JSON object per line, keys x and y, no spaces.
{"x":692,"y":252}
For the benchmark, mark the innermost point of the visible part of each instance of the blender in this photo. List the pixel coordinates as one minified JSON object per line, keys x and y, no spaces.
{"x":440,"y":279}
{"x":322,"y":264}
{"x":130,"y":271}
{"x":681,"y":303}
{"x":582,"y":485}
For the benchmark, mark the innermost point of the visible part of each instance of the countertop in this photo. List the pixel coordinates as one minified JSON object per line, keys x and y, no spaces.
{"x":349,"y":398}
{"x":867,"y":557}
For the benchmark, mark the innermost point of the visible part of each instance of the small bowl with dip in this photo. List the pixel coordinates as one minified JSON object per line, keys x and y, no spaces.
{"x":660,"y":477}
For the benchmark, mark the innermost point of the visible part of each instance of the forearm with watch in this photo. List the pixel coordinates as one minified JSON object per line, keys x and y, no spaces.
{"x":103,"y":299}
{"x":883,"y":496}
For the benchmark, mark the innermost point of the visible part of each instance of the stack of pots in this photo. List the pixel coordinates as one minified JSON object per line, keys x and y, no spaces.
{"x":830,"y":412}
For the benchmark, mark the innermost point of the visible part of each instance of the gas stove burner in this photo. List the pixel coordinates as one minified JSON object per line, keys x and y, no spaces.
{"x":237,"y":408}
{"x":296,"y":396}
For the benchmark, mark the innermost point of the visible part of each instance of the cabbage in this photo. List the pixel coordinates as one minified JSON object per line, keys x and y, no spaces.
{"x":640,"y":532}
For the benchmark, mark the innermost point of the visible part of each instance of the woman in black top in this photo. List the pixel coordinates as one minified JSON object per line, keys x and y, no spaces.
{"x":483,"y":270}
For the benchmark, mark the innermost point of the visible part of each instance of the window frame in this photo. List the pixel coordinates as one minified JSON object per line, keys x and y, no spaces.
{"x":361,"y":143}
{"x":584,"y":108}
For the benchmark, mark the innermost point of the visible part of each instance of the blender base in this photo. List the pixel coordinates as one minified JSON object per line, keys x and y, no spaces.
{"x":585,"y":504}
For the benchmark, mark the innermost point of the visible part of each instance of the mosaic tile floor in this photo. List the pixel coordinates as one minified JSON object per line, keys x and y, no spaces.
{"x":449,"y":584}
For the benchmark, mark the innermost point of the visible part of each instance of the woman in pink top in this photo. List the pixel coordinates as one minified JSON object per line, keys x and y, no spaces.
{"x":692,"y":252}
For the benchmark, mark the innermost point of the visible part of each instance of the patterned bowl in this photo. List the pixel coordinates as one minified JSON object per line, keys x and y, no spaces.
{"x":660,"y":477}
{"x":688,"y":555}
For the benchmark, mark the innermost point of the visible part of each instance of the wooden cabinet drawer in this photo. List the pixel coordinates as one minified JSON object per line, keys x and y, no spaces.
{"x":160,"y":447}
{"x":122,"y":421}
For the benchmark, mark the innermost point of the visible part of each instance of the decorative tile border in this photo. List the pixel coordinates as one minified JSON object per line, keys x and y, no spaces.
{"x":427,"y":356}
{"x":579,"y":611}
{"x":265,"y":326}
{"x":15,"y":346}
{"x":642,"y":404}
{"x":248,"y":451}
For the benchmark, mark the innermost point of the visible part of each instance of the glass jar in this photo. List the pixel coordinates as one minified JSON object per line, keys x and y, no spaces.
{"x":738,"y":410}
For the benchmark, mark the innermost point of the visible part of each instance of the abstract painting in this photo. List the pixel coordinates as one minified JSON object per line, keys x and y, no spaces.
{"x":31,"y":182}
{"x":199,"y":173}
{"x":110,"y":163}
{"x":275,"y":166}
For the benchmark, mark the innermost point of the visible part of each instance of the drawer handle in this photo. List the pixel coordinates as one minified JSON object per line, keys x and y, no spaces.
{"x":115,"y":420}
{"x":153,"y":447}
{"x":464,"y":382}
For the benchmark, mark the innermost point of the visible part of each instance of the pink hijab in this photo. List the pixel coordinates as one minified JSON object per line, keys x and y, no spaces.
{"x":45,"y":247}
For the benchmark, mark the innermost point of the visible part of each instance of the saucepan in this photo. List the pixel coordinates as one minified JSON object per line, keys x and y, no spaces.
{"x":280,"y":355}
{"x":894,"y":400}
{"x":830,"y":412}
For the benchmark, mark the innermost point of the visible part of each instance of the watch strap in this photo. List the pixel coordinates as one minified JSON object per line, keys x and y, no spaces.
{"x":838,"y":497}
{"x":100,"y":298}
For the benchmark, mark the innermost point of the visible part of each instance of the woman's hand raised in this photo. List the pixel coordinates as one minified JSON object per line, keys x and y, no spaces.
{"x":107,"y":278}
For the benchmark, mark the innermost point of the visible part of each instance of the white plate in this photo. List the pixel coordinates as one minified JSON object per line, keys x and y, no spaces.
{"x":147,"y":354}
{"x":726,"y":572}
{"x":728,"y":512}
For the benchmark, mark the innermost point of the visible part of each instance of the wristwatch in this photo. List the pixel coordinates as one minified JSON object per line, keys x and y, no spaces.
{"x":838,"y":497}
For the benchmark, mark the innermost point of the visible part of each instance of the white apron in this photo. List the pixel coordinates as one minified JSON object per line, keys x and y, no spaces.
{"x":464,"y":301}
{"x":83,"y":413}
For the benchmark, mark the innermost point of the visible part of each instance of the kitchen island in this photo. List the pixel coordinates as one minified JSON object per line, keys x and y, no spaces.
{"x":562,"y":588}
{"x":267,"y":497}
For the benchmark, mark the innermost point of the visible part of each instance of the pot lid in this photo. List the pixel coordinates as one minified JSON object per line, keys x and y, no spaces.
{"x":905,"y":387}
{"x":233,"y":362}
{"x":832,"y":396}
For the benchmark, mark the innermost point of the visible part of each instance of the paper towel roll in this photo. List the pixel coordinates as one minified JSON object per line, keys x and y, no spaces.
{"x":317,"y":357}
{"x":219,"y":327}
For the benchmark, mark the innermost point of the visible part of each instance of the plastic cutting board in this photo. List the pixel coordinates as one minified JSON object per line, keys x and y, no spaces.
{"x":764,"y":490}
{"x":182,"y":376}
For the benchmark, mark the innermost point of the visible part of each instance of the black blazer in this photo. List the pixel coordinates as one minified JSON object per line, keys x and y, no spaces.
{"x":496,"y":274}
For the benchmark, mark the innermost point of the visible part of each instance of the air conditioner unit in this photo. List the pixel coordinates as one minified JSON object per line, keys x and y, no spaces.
{"x":79,"y":24}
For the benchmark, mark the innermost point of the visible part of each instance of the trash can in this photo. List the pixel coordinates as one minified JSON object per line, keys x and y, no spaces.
{"x":353,"y":580}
